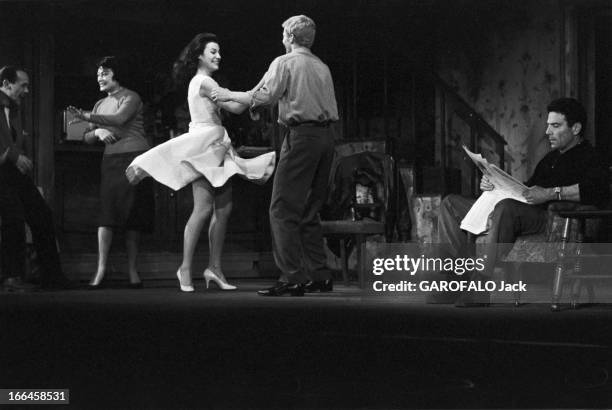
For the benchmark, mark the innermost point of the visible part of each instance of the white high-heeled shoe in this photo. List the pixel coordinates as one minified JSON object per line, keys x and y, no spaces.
{"x":184,"y":288}
{"x":221,"y":282}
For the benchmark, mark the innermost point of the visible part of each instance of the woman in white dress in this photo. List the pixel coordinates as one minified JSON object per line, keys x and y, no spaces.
{"x":204,"y":158}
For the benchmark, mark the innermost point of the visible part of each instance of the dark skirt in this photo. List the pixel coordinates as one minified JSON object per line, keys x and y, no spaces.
{"x":123,"y":205}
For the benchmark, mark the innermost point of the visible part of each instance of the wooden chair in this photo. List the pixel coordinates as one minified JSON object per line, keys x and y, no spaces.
{"x":569,"y":268}
{"x":569,"y":227}
{"x":358,"y":230}
{"x":348,"y":225}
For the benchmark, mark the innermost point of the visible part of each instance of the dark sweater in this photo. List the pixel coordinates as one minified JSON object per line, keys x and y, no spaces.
{"x":582,"y":165}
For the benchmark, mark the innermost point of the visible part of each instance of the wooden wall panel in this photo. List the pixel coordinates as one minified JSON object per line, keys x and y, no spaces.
{"x":509,"y":70}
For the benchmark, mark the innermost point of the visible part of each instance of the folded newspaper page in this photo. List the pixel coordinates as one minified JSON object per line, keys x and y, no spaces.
{"x":506,"y":186}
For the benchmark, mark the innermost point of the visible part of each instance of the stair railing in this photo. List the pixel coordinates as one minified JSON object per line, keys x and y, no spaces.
{"x":476,"y":133}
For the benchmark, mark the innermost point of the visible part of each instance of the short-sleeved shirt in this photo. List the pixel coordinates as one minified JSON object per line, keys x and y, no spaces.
{"x":581,"y":165}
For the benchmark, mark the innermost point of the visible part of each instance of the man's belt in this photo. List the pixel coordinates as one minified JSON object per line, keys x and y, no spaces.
{"x":321,"y":124}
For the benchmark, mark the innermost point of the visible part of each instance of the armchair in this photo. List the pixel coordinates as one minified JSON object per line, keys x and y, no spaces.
{"x":569,"y":227}
{"x":580,"y":226}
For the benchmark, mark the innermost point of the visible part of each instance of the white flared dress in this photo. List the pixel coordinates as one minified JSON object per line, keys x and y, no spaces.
{"x":204,"y":151}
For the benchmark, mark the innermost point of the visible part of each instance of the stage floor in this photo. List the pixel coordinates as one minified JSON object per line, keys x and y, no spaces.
{"x":159,"y":348}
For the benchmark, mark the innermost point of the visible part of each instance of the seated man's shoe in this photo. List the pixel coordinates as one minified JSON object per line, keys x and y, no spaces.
{"x":438,"y":295}
{"x":473,"y":299}
{"x":15,"y":284}
{"x":319,"y":286}
{"x":282,"y":288}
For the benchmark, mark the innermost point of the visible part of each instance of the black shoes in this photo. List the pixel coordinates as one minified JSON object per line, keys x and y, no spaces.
{"x":474,"y":298}
{"x":99,"y":286}
{"x":102,"y":284}
{"x":282,"y":288}
{"x":96,"y":286}
{"x":319,"y":286}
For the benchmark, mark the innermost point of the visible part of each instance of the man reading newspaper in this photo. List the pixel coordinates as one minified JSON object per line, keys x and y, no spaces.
{"x":572,"y":171}
{"x":506,"y":187}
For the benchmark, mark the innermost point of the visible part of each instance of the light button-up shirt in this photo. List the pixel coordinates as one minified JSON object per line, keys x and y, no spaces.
{"x":303,"y":86}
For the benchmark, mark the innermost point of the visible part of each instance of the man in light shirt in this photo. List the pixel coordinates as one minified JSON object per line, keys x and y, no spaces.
{"x":303,"y":87}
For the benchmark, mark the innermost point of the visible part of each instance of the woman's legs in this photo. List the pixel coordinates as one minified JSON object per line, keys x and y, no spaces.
{"x":105,"y":239}
{"x":203,"y":199}
{"x":218,"y":228}
{"x":131,"y":244}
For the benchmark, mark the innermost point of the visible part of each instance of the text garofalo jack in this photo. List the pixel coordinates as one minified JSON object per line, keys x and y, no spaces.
{"x":400,"y":275}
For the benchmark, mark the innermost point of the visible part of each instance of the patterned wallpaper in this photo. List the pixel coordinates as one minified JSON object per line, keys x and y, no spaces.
{"x":508,"y":69}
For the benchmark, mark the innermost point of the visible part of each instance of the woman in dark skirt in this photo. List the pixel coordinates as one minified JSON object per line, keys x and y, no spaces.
{"x":117,"y":121}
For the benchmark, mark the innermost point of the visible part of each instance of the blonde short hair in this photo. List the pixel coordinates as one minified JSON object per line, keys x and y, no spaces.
{"x":303,"y":29}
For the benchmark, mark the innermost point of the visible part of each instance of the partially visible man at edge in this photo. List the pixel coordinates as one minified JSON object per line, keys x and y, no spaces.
{"x":20,"y":200}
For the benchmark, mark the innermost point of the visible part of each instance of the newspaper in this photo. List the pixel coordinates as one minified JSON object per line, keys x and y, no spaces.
{"x":506,"y":186}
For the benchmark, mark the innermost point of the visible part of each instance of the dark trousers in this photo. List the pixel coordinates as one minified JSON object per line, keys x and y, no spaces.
{"x":299,"y":191}
{"x":509,"y":219}
{"x":20,"y":203}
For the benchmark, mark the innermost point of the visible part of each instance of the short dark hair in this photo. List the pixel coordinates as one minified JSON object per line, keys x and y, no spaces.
{"x":572,"y":109}
{"x":120,"y":70}
{"x":9,"y":73}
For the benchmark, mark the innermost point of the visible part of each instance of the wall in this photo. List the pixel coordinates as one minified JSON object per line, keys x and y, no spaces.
{"x":504,"y":60}
{"x":26,"y":40}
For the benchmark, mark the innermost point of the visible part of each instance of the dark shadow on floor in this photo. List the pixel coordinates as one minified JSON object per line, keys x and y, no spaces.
{"x":158,"y":348}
